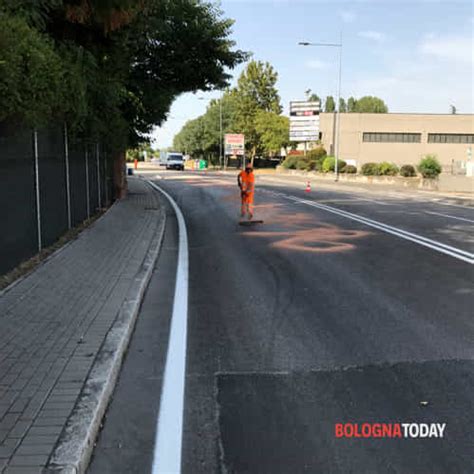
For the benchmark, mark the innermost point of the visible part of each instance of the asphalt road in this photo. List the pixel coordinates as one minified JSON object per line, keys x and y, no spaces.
{"x":338,"y":309}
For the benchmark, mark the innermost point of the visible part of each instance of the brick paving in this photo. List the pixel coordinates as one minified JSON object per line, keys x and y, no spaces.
{"x":53,"y":322}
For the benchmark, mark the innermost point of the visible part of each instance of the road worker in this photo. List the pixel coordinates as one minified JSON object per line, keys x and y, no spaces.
{"x":246,"y":182}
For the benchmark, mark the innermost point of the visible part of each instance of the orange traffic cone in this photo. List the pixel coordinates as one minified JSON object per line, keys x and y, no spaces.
{"x":308,"y":187}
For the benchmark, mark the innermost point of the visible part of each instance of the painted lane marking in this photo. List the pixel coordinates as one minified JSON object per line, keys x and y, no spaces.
{"x":432,"y":244}
{"x":434,"y":201}
{"x":380,"y":203}
{"x":452,"y":217}
{"x":169,"y":430}
{"x":396,"y":229}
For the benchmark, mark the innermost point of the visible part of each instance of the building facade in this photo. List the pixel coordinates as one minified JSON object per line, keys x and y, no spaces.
{"x":402,"y":138}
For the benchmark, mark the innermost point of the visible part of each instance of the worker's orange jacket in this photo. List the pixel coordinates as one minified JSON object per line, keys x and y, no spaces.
{"x":247,"y":181}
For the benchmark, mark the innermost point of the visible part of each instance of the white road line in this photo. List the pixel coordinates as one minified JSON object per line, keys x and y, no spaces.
{"x":434,"y":201}
{"x":432,"y":244}
{"x":169,"y":431}
{"x":452,"y":217}
{"x":374,"y":201}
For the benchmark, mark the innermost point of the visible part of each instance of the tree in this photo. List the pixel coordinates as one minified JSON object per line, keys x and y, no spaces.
{"x":140,"y":152}
{"x":351,"y":105}
{"x":330,"y":104}
{"x":202,"y":135}
{"x":110,"y":68}
{"x":191,"y":138}
{"x":255,"y":92}
{"x":311,"y":96}
{"x":31,"y":74}
{"x":342,"y":105}
{"x":373,"y":105}
{"x":273,"y":130}
{"x":315,"y":98}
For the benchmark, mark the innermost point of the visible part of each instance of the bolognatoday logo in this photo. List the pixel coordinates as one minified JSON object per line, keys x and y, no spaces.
{"x":389,"y":430}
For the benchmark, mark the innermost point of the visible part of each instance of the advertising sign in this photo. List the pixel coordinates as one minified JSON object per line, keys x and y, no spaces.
{"x":234,"y":144}
{"x":304,"y":121}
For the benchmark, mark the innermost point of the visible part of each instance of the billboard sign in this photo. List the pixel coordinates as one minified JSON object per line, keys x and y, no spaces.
{"x":234,"y":144}
{"x":304,"y":121}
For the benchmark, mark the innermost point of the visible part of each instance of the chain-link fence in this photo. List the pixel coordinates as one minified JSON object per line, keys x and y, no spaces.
{"x":47,"y":186}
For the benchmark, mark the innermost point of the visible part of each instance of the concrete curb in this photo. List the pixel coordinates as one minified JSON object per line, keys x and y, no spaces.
{"x":76,"y":443}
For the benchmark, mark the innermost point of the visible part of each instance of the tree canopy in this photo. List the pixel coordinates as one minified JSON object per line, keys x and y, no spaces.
{"x":110,"y":68}
{"x":330,"y":104}
{"x":252,"y":108}
{"x":367,"y":104}
{"x":273,"y":130}
{"x":370,"y":104}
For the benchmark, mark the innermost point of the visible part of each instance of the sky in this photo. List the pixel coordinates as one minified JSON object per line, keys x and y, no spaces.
{"x":417,"y":55}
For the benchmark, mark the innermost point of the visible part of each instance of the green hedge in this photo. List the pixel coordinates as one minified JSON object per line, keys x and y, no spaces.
{"x":317,"y":154}
{"x":388,"y":169}
{"x":349,"y":169}
{"x":370,"y":169}
{"x":407,"y":171}
{"x":329,"y":164}
{"x":311,"y":162}
{"x":290,"y":162}
{"x":429,"y":167}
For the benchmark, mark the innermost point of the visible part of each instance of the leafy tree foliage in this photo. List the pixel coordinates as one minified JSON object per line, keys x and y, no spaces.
{"x":342,"y":105}
{"x":366,"y":104}
{"x":110,"y":67}
{"x":351,"y":104}
{"x":371,"y":104}
{"x":330,"y":104}
{"x":273,"y":130}
{"x":314,"y":98}
{"x":252,"y":108}
{"x":256,"y":91}
{"x":31,"y":73}
{"x":201,"y":136}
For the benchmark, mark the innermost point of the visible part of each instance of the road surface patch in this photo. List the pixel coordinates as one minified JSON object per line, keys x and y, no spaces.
{"x":287,"y":423}
{"x":455,"y":252}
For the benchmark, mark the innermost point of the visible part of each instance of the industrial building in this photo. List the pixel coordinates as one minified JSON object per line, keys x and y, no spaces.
{"x":402,"y":138}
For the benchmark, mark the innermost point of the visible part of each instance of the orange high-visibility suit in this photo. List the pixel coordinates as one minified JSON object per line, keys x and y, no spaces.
{"x":246,"y":180}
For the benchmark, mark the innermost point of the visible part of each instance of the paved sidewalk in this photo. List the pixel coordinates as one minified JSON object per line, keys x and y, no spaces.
{"x":53,"y":323}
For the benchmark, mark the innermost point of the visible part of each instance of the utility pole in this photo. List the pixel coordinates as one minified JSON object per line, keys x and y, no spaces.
{"x":220,"y":134}
{"x":337,"y":123}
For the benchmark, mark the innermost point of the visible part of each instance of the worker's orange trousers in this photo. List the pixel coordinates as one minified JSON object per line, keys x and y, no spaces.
{"x":247,"y":203}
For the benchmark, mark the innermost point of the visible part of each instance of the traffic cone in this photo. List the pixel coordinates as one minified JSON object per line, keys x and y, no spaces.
{"x":308,"y":187}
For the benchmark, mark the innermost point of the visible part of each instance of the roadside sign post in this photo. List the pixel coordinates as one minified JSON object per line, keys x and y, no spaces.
{"x":304,"y":122}
{"x":235,"y":145}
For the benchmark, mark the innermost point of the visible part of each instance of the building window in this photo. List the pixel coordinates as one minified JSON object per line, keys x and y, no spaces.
{"x":450,"y":137}
{"x":382,"y":137}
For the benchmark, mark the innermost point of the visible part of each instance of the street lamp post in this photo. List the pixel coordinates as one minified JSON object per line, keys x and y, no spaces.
{"x":220,"y":129}
{"x":337,"y":126}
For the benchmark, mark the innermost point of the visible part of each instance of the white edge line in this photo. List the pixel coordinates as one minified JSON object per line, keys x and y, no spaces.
{"x":169,"y":429}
